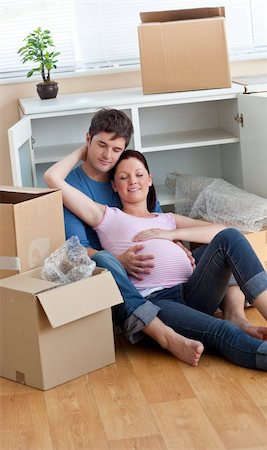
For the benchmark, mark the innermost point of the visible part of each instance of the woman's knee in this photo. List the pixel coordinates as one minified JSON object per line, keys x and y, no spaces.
{"x":230,"y":235}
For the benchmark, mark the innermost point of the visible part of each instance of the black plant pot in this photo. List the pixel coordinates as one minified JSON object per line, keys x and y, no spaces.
{"x":47,"y":90}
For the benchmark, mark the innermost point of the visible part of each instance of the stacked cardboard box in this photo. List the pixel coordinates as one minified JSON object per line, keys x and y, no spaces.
{"x":183,"y":50}
{"x":49,"y":334}
{"x":31,"y":227}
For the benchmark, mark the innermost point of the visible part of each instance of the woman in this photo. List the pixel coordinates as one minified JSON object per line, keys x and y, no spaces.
{"x":184,"y":297}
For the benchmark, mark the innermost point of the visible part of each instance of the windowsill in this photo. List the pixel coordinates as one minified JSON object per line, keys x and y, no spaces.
{"x":77,"y":74}
{"x":112,"y":70}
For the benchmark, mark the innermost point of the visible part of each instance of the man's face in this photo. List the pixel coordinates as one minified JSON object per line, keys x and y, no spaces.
{"x":103,"y":152}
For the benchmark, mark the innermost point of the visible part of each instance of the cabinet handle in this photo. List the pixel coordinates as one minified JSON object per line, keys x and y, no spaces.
{"x":240,"y":119}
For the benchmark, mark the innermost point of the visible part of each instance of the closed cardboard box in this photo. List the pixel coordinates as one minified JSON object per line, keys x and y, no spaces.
{"x":183,"y":50}
{"x":31,"y":227}
{"x":258,"y":240}
{"x":52,"y":334}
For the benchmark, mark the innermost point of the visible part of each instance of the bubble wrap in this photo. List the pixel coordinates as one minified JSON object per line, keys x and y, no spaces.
{"x":69,"y":263}
{"x":216,"y":200}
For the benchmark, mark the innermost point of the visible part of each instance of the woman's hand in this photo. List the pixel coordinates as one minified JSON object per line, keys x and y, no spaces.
{"x":154,"y":233}
{"x":157,"y":233}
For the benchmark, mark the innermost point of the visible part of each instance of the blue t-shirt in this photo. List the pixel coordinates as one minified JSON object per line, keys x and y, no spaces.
{"x":99,"y":191}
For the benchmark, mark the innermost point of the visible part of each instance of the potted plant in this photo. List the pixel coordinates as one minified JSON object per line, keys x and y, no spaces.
{"x":36,"y":49}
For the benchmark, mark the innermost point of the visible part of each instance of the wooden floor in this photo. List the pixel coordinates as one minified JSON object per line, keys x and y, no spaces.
{"x":146,"y":400}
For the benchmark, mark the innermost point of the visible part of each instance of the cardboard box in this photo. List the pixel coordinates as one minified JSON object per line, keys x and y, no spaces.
{"x":183,"y":50}
{"x":258,"y":240}
{"x":31,"y":227}
{"x":49,"y":333}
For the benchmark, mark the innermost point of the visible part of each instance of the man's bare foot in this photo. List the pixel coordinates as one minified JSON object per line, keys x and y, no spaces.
{"x":233,"y":310}
{"x":242,"y":322}
{"x":255,"y":331}
{"x":186,"y":350}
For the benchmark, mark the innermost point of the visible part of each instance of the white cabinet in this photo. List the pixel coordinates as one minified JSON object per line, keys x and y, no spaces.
{"x":253,"y":137}
{"x":191,"y":132}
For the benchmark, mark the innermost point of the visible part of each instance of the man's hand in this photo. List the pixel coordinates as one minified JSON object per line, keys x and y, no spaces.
{"x":136,"y":264}
{"x":188,"y":252}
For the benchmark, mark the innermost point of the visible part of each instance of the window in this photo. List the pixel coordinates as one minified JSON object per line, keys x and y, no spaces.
{"x":96,"y":34}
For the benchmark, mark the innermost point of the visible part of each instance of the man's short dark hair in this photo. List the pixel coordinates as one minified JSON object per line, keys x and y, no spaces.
{"x":112,"y":121}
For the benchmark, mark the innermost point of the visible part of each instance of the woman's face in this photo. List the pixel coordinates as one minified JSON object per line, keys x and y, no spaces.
{"x":132,"y":181}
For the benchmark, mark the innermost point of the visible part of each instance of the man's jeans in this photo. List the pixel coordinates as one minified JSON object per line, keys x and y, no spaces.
{"x":186,"y":307}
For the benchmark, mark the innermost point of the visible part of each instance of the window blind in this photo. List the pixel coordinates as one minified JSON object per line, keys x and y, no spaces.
{"x":95,"y":34}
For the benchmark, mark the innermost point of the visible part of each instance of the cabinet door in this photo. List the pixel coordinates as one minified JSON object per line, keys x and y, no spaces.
{"x":253,"y":138}
{"x":21,"y":154}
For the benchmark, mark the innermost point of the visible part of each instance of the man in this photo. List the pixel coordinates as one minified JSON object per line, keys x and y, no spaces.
{"x":109,"y":135}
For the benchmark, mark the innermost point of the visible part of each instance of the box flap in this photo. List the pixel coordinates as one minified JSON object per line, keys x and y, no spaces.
{"x":25,"y":283}
{"x":182,"y":14}
{"x":73,"y":301}
{"x":32,"y":190}
{"x":14,"y":195}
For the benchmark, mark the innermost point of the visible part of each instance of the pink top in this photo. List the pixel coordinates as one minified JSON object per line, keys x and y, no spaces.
{"x":171,"y":264}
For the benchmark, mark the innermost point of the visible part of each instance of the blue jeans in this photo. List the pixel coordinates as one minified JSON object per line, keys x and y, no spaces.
{"x":135,"y":312}
{"x":187,"y":307}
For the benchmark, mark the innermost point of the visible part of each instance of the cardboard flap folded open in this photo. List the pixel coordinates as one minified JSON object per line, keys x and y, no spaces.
{"x":27,"y":190}
{"x":67,"y":303}
{"x":21,"y":196}
{"x":26,"y":283}
{"x":182,"y":14}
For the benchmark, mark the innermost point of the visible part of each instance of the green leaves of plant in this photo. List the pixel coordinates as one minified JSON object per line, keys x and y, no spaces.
{"x":36,"y":50}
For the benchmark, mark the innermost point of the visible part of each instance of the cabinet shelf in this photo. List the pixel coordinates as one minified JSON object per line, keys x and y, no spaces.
{"x":197,"y":129}
{"x":51,"y":154}
{"x":187,"y":139}
{"x":152,"y":143}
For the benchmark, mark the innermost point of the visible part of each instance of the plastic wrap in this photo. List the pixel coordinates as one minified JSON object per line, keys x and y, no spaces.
{"x":186,"y":189}
{"x":68,"y":264}
{"x":216,"y":200}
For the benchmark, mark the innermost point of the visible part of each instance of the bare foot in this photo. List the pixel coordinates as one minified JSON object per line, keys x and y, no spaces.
{"x":255,"y":331}
{"x":242,"y":322}
{"x":186,"y":350}
{"x":233,"y":310}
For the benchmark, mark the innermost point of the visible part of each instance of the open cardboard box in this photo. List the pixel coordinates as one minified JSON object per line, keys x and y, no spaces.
{"x":31,"y":227}
{"x":52,"y":334}
{"x":183,"y":50}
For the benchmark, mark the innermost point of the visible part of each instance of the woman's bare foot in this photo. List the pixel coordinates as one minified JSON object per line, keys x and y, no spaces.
{"x":186,"y":350}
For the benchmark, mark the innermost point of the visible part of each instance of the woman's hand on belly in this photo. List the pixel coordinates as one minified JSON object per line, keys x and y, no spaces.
{"x":154,"y":233}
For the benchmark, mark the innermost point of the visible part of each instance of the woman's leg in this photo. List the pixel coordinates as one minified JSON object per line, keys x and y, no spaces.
{"x":137,"y":316}
{"x":135,"y":312}
{"x":220,"y":336}
{"x":229,"y":252}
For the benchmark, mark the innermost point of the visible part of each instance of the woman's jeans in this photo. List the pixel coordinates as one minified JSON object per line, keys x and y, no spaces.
{"x":186,"y":307}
